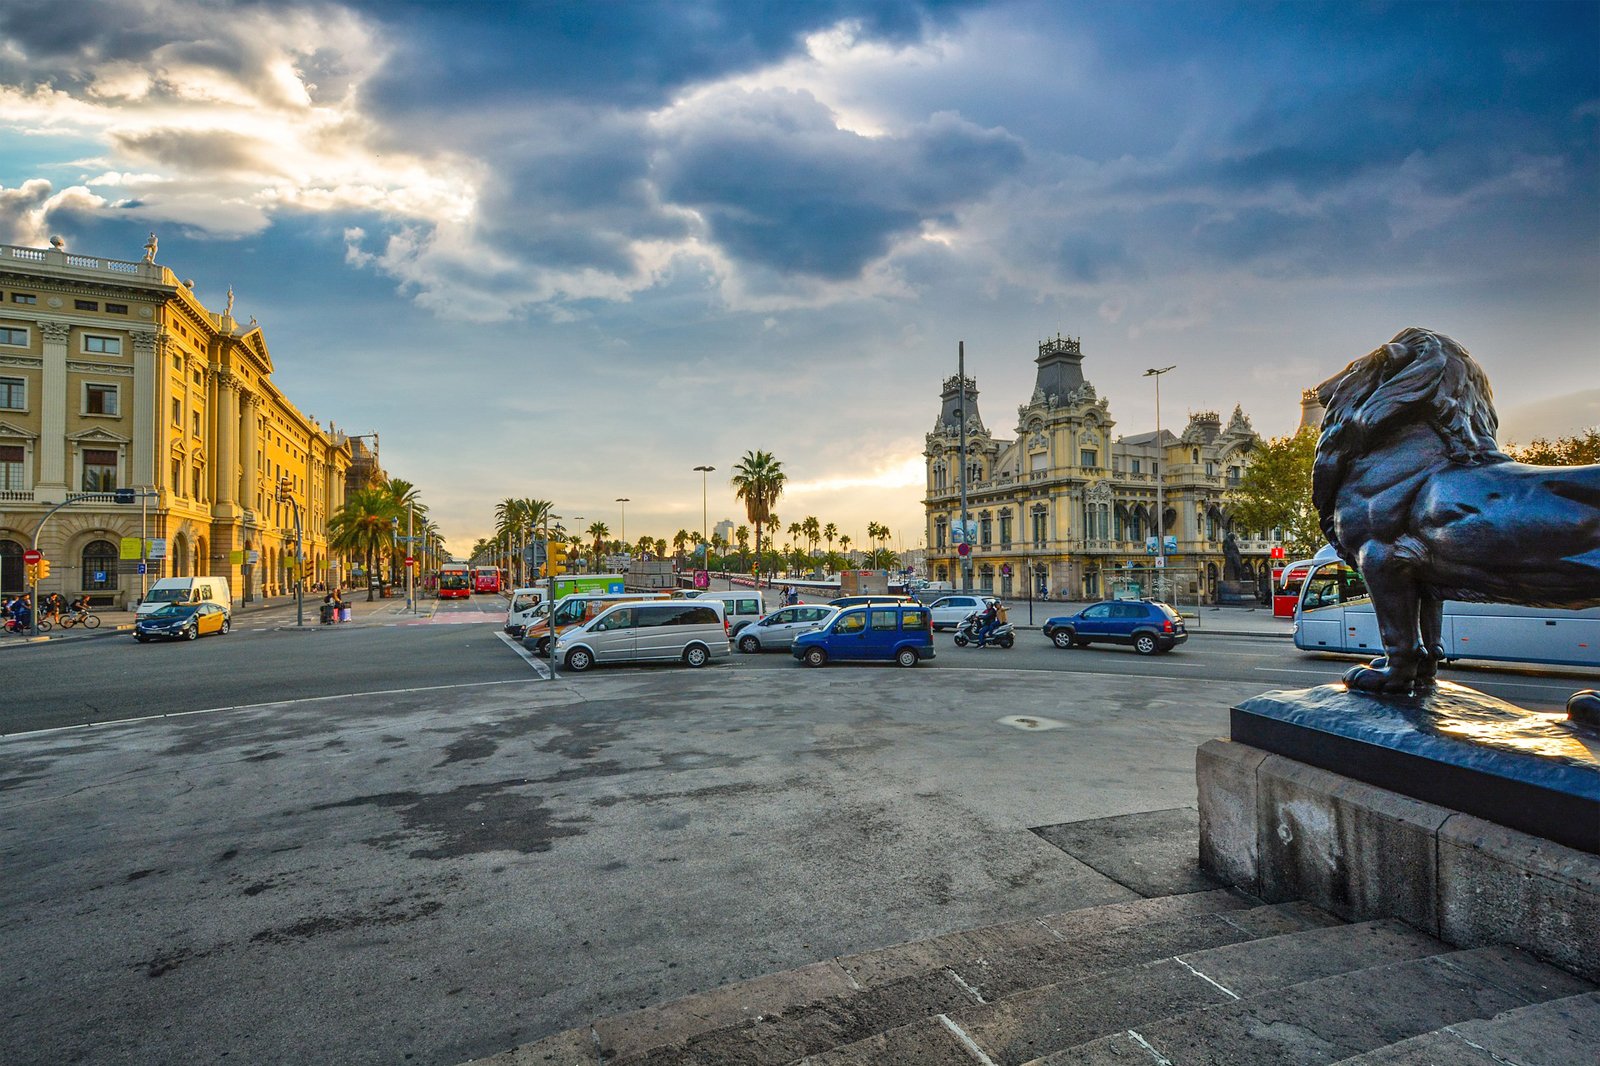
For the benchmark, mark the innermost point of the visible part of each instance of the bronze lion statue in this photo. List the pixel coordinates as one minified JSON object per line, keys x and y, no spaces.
{"x":1414,"y":493}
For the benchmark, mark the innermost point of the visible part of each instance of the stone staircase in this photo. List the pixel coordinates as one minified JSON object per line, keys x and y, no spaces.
{"x":1211,"y":977}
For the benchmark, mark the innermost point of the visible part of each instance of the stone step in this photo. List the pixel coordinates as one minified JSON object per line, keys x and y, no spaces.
{"x":1050,"y":1018}
{"x":1331,"y":1018}
{"x":1560,"y":1032}
{"x":1010,"y":958}
{"x":843,"y":1000}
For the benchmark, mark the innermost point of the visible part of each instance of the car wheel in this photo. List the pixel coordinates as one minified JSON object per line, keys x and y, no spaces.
{"x":906,"y":657}
{"x":1007,"y":641}
{"x":579,"y":660}
{"x":1144,"y":644}
{"x":1062,"y":638}
{"x":141,"y":638}
{"x":961,"y":641}
{"x":227,"y":626}
{"x":749,"y":645}
{"x":815,"y":657}
{"x":696,"y":655}
{"x":542,"y":647}
{"x":191,"y":632}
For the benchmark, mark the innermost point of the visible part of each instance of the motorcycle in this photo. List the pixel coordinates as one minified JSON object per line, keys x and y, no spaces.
{"x":1004,"y":635}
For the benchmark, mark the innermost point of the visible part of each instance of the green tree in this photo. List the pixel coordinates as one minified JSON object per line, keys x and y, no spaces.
{"x":1581,"y":449}
{"x":1274,"y":492}
{"x":599,"y":531}
{"x":758,"y":480}
{"x":680,"y":540}
{"x":362,"y":527}
{"x":830,"y":533}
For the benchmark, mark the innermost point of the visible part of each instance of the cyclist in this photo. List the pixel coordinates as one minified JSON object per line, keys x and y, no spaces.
{"x":78,"y":610}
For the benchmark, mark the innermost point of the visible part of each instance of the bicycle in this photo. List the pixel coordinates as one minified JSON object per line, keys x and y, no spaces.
{"x":86,"y":619}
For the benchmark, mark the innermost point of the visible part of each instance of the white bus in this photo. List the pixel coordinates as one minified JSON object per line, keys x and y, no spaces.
{"x":1334,"y":614}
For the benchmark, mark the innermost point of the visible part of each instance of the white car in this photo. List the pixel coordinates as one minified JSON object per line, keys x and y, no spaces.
{"x":950,"y":611}
{"x":776,"y":632}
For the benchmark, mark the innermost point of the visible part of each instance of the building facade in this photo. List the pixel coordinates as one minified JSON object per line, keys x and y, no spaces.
{"x":113,"y":375}
{"x":1066,"y":509}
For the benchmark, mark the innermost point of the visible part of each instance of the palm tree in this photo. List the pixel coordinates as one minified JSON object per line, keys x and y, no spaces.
{"x":742,"y":535}
{"x":758,"y":480}
{"x":829,"y":532}
{"x":844,"y":546}
{"x":362,"y":527}
{"x":679,"y":540}
{"x":599,"y":531}
{"x":719,"y":545}
{"x":646,"y":545}
{"x":661,"y":548}
{"x":813,"y":531}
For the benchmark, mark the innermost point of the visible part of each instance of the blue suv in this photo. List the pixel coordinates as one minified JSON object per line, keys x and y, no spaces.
{"x":877,"y":632}
{"x":1145,"y":624}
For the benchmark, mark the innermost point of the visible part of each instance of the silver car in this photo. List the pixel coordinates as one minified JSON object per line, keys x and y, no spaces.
{"x":950,"y":611}
{"x":776,"y":632}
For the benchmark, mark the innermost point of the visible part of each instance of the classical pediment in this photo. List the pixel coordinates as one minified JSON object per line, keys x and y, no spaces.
{"x":97,"y":435}
{"x":16,"y":432}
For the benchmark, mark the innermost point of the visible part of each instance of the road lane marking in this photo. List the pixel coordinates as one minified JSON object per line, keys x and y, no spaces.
{"x":527,"y":656}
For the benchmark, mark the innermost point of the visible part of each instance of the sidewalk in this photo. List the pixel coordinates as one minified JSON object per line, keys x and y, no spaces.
{"x":273,"y":612}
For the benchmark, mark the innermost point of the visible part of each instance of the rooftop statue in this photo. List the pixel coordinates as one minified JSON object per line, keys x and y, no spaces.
{"x":1414,"y":492}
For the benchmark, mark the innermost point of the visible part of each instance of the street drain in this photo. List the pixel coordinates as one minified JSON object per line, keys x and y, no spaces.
{"x":1030,"y":722}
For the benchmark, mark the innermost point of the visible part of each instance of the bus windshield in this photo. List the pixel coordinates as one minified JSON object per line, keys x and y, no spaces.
{"x":453,"y":581}
{"x":1329,"y":586}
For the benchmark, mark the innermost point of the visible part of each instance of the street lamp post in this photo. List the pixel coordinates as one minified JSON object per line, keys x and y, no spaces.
{"x":622,"y":523}
{"x":286,"y":495}
{"x":1161,"y":509}
{"x":705,"y":521}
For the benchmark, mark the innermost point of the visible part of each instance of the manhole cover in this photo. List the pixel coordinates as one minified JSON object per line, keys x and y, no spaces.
{"x":1030,"y":722}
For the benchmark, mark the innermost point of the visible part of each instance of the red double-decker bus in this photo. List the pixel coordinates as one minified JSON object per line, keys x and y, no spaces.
{"x":488,"y":579}
{"x":455,"y":581}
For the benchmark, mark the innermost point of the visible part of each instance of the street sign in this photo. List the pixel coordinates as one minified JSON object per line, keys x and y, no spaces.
{"x":32,"y":555}
{"x":1005,"y":569}
{"x":1275,"y":553}
{"x":964,"y":549}
{"x":124,"y":496}
{"x":250,"y":557}
{"x":130,"y":548}
{"x":99,"y":577}
{"x":410,"y":561}
{"x":1161,"y":562}
{"x":702,"y":579}
{"x":158,"y":548}
{"x":143,"y":568}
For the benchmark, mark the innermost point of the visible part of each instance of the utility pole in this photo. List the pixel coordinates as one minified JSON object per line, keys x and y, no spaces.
{"x":1161,"y":510}
{"x":622,"y":523}
{"x":411,"y":557}
{"x":705,"y":521}
{"x":961,"y":383}
{"x":299,"y":553}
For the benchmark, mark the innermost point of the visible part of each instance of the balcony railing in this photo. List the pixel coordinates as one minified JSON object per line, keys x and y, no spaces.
{"x":16,"y":495}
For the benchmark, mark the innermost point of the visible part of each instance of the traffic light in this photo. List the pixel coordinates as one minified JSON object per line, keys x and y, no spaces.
{"x":558,"y":559}
{"x":31,"y":574}
{"x":44,"y":568}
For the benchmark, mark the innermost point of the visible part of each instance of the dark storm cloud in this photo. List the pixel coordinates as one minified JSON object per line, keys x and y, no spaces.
{"x":607,"y":54}
{"x":782,"y":186}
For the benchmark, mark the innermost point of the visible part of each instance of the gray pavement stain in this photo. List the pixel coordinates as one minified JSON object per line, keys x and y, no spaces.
{"x":468,"y":819}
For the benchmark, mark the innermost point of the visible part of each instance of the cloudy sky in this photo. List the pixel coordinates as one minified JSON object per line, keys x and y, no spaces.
{"x":573,"y":250}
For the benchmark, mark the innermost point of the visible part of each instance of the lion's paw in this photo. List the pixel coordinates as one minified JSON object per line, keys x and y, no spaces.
{"x":1584,"y":708}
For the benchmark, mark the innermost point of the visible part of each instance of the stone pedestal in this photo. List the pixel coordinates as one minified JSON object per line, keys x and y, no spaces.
{"x":1281,"y":828}
{"x":1237,"y":594}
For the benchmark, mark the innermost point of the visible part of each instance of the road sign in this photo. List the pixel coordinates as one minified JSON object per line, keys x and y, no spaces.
{"x":1005,"y":569}
{"x":143,"y":568}
{"x":124,"y":496}
{"x":1276,"y":553}
{"x":964,"y":549}
{"x":32,"y":555}
{"x":410,"y":561}
{"x":1161,"y":562}
{"x":702,"y":579}
{"x":158,"y":548}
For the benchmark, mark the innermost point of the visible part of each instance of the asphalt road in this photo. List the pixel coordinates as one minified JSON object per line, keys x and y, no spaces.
{"x":105,"y":678}
{"x":398,"y":843}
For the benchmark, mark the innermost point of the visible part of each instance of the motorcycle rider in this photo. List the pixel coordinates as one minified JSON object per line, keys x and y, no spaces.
{"x":988,"y":622}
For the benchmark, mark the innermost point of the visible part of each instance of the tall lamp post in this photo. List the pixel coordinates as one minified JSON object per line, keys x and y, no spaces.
{"x":705,"y":521}
{"x":622,"y":523}
{"x":1161,"y":508}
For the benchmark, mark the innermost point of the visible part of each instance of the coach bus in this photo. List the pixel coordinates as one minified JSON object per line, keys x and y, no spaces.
{"x":1334,"y":614}
{"x":488,"y":579}
{"x":455,"y":581}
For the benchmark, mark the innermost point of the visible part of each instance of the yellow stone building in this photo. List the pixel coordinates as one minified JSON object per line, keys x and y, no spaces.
{"x":113,"y":375}
{"x":1067,"y":508}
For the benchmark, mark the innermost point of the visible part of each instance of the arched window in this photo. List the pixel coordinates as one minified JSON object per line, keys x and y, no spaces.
{"x":11,"y":568}
{"x":99,"y":566}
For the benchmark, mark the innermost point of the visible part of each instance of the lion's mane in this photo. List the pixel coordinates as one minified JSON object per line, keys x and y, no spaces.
{"x":1418,"y":377}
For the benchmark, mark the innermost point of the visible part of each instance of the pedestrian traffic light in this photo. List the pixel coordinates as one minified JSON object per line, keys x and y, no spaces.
{"x":44,"y":568}
{"x":558,"y":559}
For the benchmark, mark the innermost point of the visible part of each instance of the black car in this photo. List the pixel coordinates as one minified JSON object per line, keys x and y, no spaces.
{"x":1147,"y":625}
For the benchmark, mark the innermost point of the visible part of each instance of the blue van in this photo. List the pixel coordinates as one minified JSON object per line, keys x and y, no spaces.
{"x":877,"y":632}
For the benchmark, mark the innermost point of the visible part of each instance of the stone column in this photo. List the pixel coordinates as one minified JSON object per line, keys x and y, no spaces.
{"x":146,"y":400}
{"x":225,"y":455}
{"x":250,"y":413}
{"x":52,"y":483}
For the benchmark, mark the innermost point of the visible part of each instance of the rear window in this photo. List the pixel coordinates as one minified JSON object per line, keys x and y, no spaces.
{"x":749,"y":607}
{"x":917,"y":619}
{"x":1168,"y":611}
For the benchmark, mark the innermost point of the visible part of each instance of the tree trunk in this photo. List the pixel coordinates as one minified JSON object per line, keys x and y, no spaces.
{"x":371,"y":572}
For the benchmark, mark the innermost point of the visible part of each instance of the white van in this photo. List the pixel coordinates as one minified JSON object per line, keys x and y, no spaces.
{"x":742,"y":606}
{"x":527,"y":604}
{"x":692,"y":632}
{"x":185,"y":590}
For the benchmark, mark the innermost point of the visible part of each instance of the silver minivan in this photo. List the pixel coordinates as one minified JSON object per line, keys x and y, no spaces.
{"x":692,"y":632}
